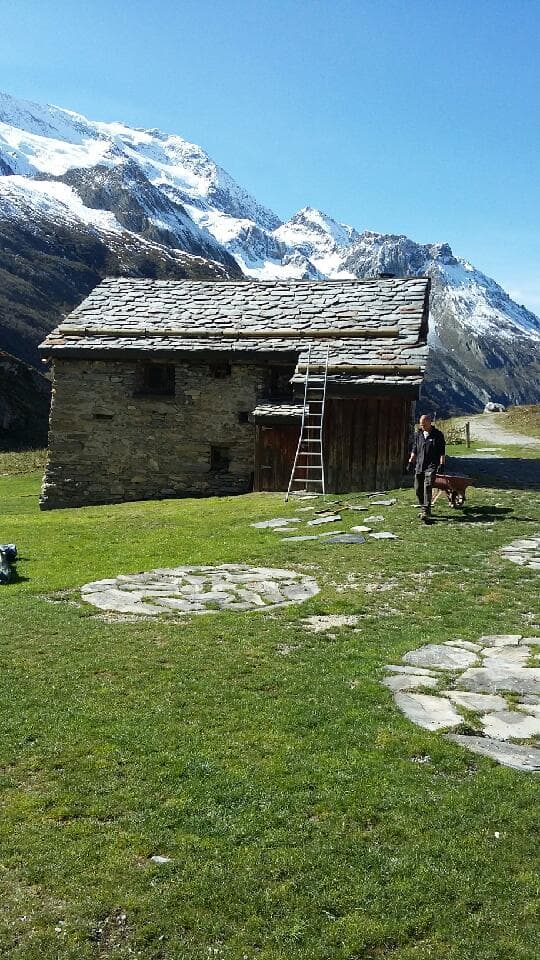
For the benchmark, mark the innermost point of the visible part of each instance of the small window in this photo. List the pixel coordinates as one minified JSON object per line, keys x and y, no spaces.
{"x":278,"y":383}
{"x":243,"y":416}
{"x":156,"y":380}
{"x":220,"y":371}
{"x":219,"y":459}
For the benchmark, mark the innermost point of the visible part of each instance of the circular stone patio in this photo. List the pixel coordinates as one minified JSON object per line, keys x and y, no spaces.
{"x":525,"y":552}
{"x":185,"y":590}
{"x":468,"y":684}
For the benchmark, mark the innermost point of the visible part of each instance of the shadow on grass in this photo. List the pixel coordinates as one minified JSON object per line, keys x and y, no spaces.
{"x":506,"y":473}
{"x":485,"y":514}
{"x":476,"y":514}
{"x":14,"y":580}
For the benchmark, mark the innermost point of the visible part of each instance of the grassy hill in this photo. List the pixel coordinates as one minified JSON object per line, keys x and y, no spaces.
{"x":304,"y":816}
{"x":524,"y":419}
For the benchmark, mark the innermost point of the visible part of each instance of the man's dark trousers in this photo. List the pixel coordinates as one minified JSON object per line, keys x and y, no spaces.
{"x":429,"y":451}
{"x":423,"y":486}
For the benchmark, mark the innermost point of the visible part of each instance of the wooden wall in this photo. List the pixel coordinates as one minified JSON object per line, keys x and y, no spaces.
{"x":365,"y":442}
{"x":365,"y":446}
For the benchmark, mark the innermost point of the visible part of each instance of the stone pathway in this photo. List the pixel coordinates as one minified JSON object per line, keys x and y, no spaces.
{"x":525,"y":552}
{"x":327,"y":517}
{"x":186,"y":590}
{"x":469,"y":685}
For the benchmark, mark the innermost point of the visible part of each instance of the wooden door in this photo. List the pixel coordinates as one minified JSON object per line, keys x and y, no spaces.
{"x":275,"y":447}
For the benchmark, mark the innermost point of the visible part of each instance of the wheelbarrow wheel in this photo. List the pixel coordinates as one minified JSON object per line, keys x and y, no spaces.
{"x":457,"y":499}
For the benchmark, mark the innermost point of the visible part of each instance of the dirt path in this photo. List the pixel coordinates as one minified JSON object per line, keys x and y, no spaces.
{"x":488,"y":427}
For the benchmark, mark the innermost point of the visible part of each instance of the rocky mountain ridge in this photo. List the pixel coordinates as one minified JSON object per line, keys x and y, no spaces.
{"x":81,"y":199}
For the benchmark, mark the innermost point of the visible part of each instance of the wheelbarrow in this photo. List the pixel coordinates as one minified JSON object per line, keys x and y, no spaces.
{"x":453,"y":485}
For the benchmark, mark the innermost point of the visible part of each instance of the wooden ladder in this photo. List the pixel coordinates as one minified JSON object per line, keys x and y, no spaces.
{"x":308,"y":466}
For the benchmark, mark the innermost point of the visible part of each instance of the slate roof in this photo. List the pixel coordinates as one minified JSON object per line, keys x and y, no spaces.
{"x":375,"y":329}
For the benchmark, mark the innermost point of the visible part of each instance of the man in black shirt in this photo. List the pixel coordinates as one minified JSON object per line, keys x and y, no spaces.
{"x":427,"y":455}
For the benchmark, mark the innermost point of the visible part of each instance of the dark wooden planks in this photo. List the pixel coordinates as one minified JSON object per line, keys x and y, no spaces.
{"x":365,"y":446}
{"x":275,"y":447}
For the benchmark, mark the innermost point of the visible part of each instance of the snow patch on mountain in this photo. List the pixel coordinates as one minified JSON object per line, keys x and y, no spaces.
{"x":22,"y":197}
{"x":480,"y":303}
{"x":47,"y":139}
{"x":29,"y":153}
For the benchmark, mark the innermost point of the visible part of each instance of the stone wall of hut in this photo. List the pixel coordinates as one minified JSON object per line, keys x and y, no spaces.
{"x":118,"y":432}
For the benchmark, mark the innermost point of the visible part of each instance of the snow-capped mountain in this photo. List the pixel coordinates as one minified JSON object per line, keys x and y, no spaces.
{"x":80,"y":199}
{"x":483,"y":344}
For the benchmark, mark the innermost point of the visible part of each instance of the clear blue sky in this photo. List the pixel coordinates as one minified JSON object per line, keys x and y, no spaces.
{"x":407,"y":116}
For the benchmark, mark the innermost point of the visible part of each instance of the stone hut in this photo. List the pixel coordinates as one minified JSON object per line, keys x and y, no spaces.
{"x":193,"y":388}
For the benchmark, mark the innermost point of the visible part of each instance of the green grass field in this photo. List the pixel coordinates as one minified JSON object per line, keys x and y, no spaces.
{"x":266,"y":761}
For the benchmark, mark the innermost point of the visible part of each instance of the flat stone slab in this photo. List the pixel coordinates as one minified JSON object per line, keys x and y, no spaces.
{"x":477,"y":702}
{"x":518,"y":655}
{"x":275,"y":523}
{"x":510,"y":725}
{"x":501,"y":677}
{"x":360,"y":529}
{"x":508,"y":754}
{"x":383,"y":535}
{"x":383,"y":503}
{"x":441,"y":656}
{"x":500,"y":640}
{"x":346,"y":538}
{"x":409,"y":681}
{"x":395,"y":668}
{"x":376,"y":518}
{"x":333,"y":518}
{"x":525,"y":552}
{"x":431,"y":713}
{"x":311,"y":536}
{"x":187,"y":590}
{"x":463,"y":644}
{"x":322,"y":623}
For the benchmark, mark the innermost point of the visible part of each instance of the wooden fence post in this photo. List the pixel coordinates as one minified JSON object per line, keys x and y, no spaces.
{"x":468,"y":434}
